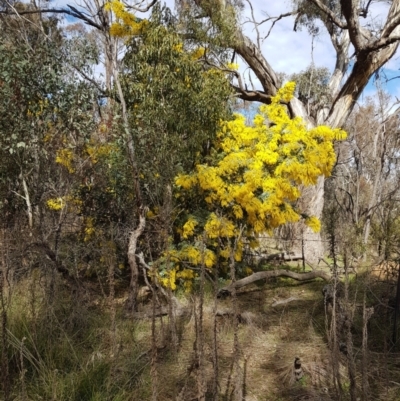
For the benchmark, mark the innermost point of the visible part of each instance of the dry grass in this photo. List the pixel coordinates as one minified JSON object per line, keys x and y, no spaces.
{"x":270,"y":338}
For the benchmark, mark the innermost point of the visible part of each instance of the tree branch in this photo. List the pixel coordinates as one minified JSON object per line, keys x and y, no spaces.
{"x":91,"y":80}
{"x":252,"y":96}
{"x":275,"y":21}
{"x":383,"y":42}
{"x":226,"y":291}
{"x":256,"y":25}
{"x":350,"y":13}
{"x":242,"y":90}
{"x":329,"y":13}
{"x":256,"y":61}
{"x":73,"y":12}
{"x":278,"y":302}
{"x":393,"y":19}
{"x":141,"y":10}
{"x":44,"y":246}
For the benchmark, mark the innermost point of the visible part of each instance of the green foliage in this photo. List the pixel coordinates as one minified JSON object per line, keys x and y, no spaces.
{"x":218,"y":31}
{"x":309,"y":14}
{"x":175,"y":105}
{"x":42,"y":110}
{"x":312,"y":85}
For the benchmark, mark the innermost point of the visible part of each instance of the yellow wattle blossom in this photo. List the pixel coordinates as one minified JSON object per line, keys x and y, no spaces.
{"x":186,"y":274}
{"x":219,"y":227}
{"x":210,"y":259}
{"x":65,"y":157}
{"x":126,"y":24}
{"x":61,"y":202}
{"x":233,"y":66}
{"x":89,"y":229}
{"x":96,"y":152}
{"x":169,"y":280}
{"x":313,"y":223}
{"x":254,"y":179}
{"x":39,"y":108}
{"x":192,"y":254}
{"x":178,"y":47}
{"x":248,"y":271}
{"x":55,"y":203}
{"x":198,"y":53}
{"x":188,"y":227}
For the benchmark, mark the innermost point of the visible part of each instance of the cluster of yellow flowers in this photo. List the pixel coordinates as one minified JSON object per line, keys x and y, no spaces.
{"x":96,"y":152}
{"x":254,"y":179}
{"x":233,"y":66}
{"x":170,"y":278}
{"x":61,"y":202}
{"x":178,"y":47}
{"x":39,"y":108}
{"x":89,"y":229}
{"x":126,"y":24}
{"x":65,"y":157}
{"x":55,"y":204}
{"x":260,"y":167}
{"x":198,"y":53}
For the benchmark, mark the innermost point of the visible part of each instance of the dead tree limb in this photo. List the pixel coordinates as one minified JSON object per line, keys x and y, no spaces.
{"x":278,"y":302}
{"x":281,"y":256}
{"x":226,"y":291}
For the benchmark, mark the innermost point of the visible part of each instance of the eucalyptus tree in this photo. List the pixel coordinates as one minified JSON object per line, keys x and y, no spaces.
{"x":43,"y":105}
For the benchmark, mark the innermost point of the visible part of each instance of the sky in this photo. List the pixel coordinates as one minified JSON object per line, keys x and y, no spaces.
{"x":290,"y":52}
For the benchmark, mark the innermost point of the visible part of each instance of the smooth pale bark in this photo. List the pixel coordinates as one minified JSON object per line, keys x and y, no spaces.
{"x":134,"y":282}
{"x":226,"y":291}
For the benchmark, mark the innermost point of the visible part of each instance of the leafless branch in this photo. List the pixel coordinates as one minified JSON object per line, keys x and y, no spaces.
{"x":278,"y":302}
{"x":364,"y":11}
{"x":255,"y":23}
{"x":242,"y":90}
{"x":140,"y":257}
{"x":257,"y":62}
{"x":276,"y":19}
{"x":73,"y":12}
{"x":26,"y":20}
{"x":226,"y":291}
{"x":91,"y":80}
{"x":252,"y":96}
{"x":45,"y":247}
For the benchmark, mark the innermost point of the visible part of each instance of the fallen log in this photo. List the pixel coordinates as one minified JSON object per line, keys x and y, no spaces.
{"x":281,"y":256}
{"x":278,"y":302}
{"x":226,"y":291}
{"x":245,"y":317}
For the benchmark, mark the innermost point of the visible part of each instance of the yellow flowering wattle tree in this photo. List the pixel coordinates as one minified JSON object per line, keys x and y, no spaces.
{"x":249,"y":184}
